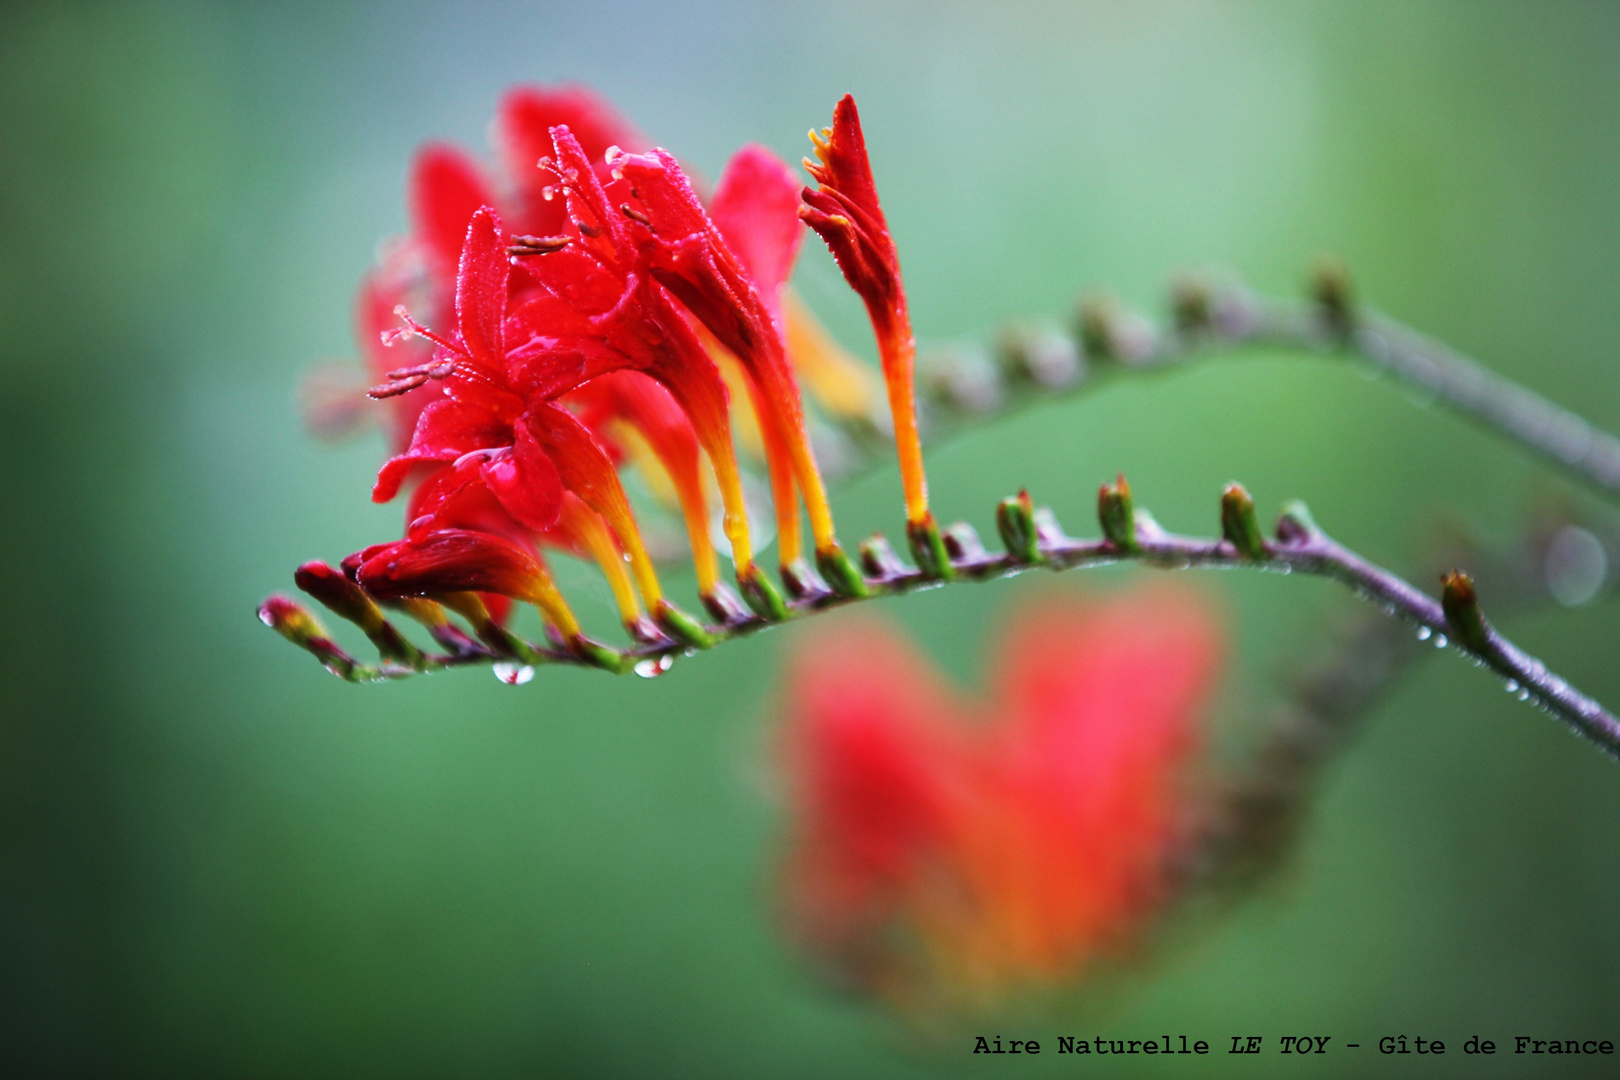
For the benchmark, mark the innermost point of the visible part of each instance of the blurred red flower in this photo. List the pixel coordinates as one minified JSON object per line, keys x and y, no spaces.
{"x":946,"y":849}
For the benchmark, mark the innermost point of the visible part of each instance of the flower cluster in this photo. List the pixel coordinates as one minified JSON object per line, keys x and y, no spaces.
{"x":945,"y":854}
{"x":584,"y":307}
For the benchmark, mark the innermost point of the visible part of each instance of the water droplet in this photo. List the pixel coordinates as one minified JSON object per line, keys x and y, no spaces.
{"x":267,"y":618}
{"x":512,"y":673}
{"x":1423,"y":633}
{"x":1440,"y":641}
{"x":654,"y":666}
{"x":1512,"y":686}
{"x":1524,"y":695}
{"x":548,"y":193}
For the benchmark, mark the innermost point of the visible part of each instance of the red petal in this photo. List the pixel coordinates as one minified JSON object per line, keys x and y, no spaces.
{"x":444,"y":432}
{"x":526,"y":482}
{"x":846,"y":212}
{"x":523,"y":130}
{"x":756,"y":209}
{"x":447,"y":189}
{"x":450,"y":560}
{"x":583,"y":465}
{"x":481,"y":291}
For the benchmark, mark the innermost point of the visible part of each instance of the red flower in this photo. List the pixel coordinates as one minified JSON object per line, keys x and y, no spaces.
{"x":736,"y":302}
{"x":844,"y":209}
{"x":947,"y":850}
{"x":445,"y":189}
{"x":583,"y":336}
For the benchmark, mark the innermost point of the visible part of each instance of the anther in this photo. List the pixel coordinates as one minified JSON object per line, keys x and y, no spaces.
{"x":635,"y":215}
{"x":537,"y":245}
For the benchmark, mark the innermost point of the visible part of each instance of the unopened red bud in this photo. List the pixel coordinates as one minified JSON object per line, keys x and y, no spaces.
{"x":294,"y":622}
{"x":346,"y":599}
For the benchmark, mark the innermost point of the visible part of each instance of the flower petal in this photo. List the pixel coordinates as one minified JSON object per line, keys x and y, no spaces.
{"x":523,"y":132}
{"x":445,"y":431}
{"x":446,"y":190}
{"x":481,"y":291}
{"x":756,"y":209}
{"x":450,"y":560}
{"x":526,"y":482}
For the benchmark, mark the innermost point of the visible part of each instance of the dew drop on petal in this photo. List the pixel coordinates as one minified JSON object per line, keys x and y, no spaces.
{"x":1440,"y":641}
{"x":1423,"y":633}
{"x":1512,"y":686}
{"x":654,"y":666}
{"x":512,"y":673}
{"x":1524,"y":695}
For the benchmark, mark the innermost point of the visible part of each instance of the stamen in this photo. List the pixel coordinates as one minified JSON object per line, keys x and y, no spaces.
{"x":589,"y":231}
{"x":537,"y":245}
{"x":396,"y":388}
{"x":422,"y":331}
{"x":635,"y":215}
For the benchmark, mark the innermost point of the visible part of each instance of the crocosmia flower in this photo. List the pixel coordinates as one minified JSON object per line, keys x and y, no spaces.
{"x":559,"y":314}
{"x":844,"y":209}
{"x":950,"y":851}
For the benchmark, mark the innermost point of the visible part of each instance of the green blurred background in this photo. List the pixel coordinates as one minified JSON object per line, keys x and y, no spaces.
{"x":219,"y":861}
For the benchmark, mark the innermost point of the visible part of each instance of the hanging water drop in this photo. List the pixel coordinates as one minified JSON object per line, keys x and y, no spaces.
{"x":1524,"y":695}
{"x":1423,"y":633}
{"x":1440,"y":641}
{"x":1512,"y":686}
{"x":654,"y":666}
{"x":512,"y":673}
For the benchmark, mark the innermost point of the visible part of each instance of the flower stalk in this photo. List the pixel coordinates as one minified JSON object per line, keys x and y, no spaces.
{"x":1298,"y":545}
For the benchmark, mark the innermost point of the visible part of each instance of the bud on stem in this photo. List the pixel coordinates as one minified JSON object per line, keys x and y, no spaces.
{"x":1239,"y":523}
{"x":1461,"y":605}
{"x":1296,"y":526}
{"x":1330,"y":288}
{"x":928,"y":548}
{"x":1116,"y":515}
{"x":761,"y":595}
{"x":879,"y":560}
{"x":1015,"y":521}
{"x":347,"y":600}
{"x":681,"y":626}
{"x":841,"y":572}
{"x":292,"y":621}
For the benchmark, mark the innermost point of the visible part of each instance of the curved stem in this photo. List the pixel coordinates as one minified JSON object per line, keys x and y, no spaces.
{"x":1237,"y":318}
{"x":1299,"y":546}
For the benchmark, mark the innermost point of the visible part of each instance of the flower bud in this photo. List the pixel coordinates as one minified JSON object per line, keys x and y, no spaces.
{"x":1239,"y":523}
{"x":1015,"y":521}
{"x":1116,"y":515}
